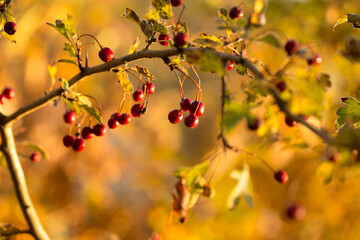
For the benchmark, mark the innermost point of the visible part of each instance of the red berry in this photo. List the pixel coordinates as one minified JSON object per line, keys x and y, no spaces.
{"x":175,"y":116}
{"x":176,"y":3}
{"x":291,"y":47}
{"x":35,"y":157}
{"x":138,"y":95}
{"x":289,"y":121}
{"x":296,"y":212}
{"x":180,"y":39}
{"x":334,"y":157}
{"x":185,"y":104}
{"x":68,"y":140}
{"x":281,"y":176}
{"x":106,"y":54}
{"x":115,"y":115}
{"x":150,"y":88}
{"x":2,"y":98}
{"x":70,"y":117}
{"x":79,"y":144}
{"x":99,"y":129}
{"x":315,"y":60}
{"x":191,"y":121}
{"x":254,"y":123}
{"x":87,"y":133}
{"x":236,"y":12}
{"x":281,"y":86}
{"x":197,"y":106}
{"x":113,"y":123}
{"x":10,"y":28}
{"x":136,"y":110}
{"x":9,"y":93}
{"x":124,"y":119}
{"x":229,"y":66}
{"x":164,"y":39}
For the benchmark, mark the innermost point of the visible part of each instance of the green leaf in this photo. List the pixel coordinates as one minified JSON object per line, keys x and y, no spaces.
{"x":134,"y":46}
{"x":36,"y":148}
{"x":241,"y":69}
{"x":69,"y":26}
{"x":349,"y":114}
{"x":131,"y":15}
{"x":208,"y":40}
{"x":209,"y":62}
{"x":194,"y":176}
{"x":270,"y":38}
{"x":64,"y":84}
{"x":242,"y":188}
{"x":223,"y":14}
{"x":235,"y":112}
{"x":351,"y":18}
{"x":67,"y":61}
{"x":153,"y":15}
{"x":143,"y":71}
{"x":147,"y":28}
{"x":72,"y":104}
{"x":158,"y":27}
{"x":60,"y":27}
{"x":69,"y":49}
{"x":163,"y":7}
{"x":93,"y":112}
{"x":124,"y":81}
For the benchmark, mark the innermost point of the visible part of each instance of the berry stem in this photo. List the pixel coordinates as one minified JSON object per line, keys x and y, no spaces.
{"x":89,"y":35}
{"x":128,"y":71}
{"x":181,"y":85}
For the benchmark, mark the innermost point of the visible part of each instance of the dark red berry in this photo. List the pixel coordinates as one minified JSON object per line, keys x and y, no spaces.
{"x":124,"y":119}
{"x":68,"y":140}
{"x":164,"y":39}
{"x":136,"y":110}
{"x":70,"y":117}
{"x":35,"y":157}
{"x":10,"y":28}
{"x":296,"y":212}
{"x":191,"y":121}
{"x":289,"y":121}
{"x":281,"y":86}
{"x":87,"y":133}
{"x":106,"y":54}
{"x":79,"y":144}
{"x":2,"y":98}
{"x":150,"y":88}
{"x":9,"y":93}
{"x":99,"y":129}
{"x":180,"y":39}
{"x":185,"y":104}
{"x":291,"y":47}
{"x":175,"y":116}
{"x":115,"y":115}
{"x":334,"y":156}
{"x":281,"y":176}
{"x":113,"y":123}
{"x":315,"y":60}
{"x":254,"y":123}
{"x":176,"y":3}
{"x":236,"y":12}
{"x":229,"y":66}
{"x":138,"y":95}
{"x":197,"y":106}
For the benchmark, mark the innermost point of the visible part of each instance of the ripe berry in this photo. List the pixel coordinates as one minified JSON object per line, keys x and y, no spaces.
{"x":136,"y":110}
{"x":113,"y":123}
{"x":254,"y":124}
{"x":99,"y":129}
{"x":296,"y":212}
{"x":175,"y":116}
{"x":289,"y":121}
{"x":176,"y":3}
{"x":9,"y":93}
{"x":68,"y":140}
{"x":197,"y":106}
{"x":79,"y":144}
{"x":229,"y":66}
{"x":180,"y":39}
{"x":124,"y":119}
{"x":164,"y":39}
{"x":191,"y":121}
{"x":185,"y":104}
{"x":2,"y":98}
{"x":115,"y":115}
{"x":70,"y":117}
{"x":334,"y":156}
{"x":236,"y":12}
{"x":315,"y":60}
{"x":281,"y":86}
{"x":106,"y":54}
{"x":150,"y":88}
{"x":87,"y":133}
{"x":35,"y":157}
{"x":281,"y":176}
{"x":10,"y":28}
{"x":138,"y":95}
{"x":291,"y":47}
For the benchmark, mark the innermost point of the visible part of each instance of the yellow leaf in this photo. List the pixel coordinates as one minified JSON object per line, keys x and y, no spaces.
{"x":124,"y":81}
{"x":52,"y":69}
{"x":134,"y":46}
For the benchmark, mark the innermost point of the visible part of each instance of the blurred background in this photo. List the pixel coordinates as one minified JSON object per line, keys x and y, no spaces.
{"x":120,"y":186}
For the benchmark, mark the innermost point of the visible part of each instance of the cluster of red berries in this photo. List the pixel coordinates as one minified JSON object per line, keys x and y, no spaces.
{"x":180,"y":39}
{"x":77,"y":142}
{"x":138,"y":95}
{"x":195,"y":108}
{"x":10,"y":28}
{"x":292,"y":47}
{"x":7,"y":94}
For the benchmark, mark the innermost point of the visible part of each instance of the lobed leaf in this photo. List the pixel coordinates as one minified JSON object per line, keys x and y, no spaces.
{"x":194,"y":176}
{"x":60,"y":27}
{"x":349,"y":114}
{"x":69,"y":26}
{"x":163,"y":7}
{"x":69,"y":49}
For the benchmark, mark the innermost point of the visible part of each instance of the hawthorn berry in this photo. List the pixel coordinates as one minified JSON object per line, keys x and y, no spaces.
{"x":138,"y":95}
{"x":9,"y":93}
{"x":176,"y":3}
{"x":79,"y":144}
{"x":315,"y":60}
{"x":281,"y":176}
{"x":197,"y":106}
{"x":175,"y":116}
{"x":149,"y":88}
{"x":2,"y":98}
{"x":185,"y":104}
{"x":164,"y":39}
{"x":289,"y":121}
{"x":281,"y":86}
{"x":136,"y":110}
{"x":106,"y":54}
{"x":35,"y":157}
{"x":229,"y":66}
{"x":87,"y":133}
{"x":115,"y":115}
{"x":70,"y":117}
{"x":180,"y":39}
{"x":191,"y":121}
{"x":10,"y":28}
{"x":124,"y":119}
{"x":68,"y":140}
{"x":296,"y":212}
{"x":236,"y":12}
{"x":334,"y":156}
{"x":291,"y":47}
{"x":113,"y":123}
{"x":99,"y":129}
{"x":254,"y":123}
